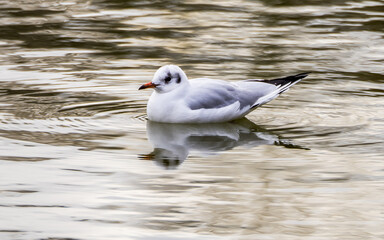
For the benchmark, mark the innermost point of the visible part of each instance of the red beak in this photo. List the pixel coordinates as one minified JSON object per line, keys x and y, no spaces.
{"x":148,"y":85}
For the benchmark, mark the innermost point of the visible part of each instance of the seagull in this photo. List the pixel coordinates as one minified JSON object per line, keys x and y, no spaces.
{"x":177,"y":99}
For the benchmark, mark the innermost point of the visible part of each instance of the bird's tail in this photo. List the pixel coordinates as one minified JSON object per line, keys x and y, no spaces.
{"x":282,"y":85}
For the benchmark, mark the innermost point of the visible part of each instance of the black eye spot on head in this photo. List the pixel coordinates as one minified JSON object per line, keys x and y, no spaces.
{"x":178,"y":78}
{"x":168,"y":78}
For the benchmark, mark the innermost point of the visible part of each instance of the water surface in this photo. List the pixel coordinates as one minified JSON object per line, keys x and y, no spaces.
{"x":79,"y":160}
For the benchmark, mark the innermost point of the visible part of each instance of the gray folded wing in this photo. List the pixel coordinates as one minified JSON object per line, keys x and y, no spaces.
{"x":215,"y":94}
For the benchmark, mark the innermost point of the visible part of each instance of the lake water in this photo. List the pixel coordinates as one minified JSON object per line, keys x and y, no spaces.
{"x":79,"y":160}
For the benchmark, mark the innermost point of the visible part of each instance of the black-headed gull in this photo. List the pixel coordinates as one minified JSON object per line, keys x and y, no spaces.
{"x":202,"y":100}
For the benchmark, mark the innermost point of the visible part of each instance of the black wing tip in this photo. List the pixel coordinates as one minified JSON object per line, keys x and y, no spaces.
{"x":302,"y":75}
{"x":295,"y":77}
{"x":287,"y":80}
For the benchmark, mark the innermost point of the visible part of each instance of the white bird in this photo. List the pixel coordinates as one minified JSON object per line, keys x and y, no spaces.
{"x":202,"y":100}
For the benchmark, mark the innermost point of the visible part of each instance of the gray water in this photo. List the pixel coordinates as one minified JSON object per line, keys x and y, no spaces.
{"x":80,"y":161}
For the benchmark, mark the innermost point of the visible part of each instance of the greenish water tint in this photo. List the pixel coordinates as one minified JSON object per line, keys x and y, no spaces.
{"x":79,"y":160}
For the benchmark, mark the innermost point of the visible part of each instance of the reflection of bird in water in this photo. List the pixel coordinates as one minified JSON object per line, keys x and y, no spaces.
{"x":173,"y":142}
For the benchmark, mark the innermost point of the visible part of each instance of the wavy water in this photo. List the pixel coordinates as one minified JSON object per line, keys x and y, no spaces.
{"x":79,"y":159}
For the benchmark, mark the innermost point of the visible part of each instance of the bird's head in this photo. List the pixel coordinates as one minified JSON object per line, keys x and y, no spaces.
{"x":166,"y":79}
